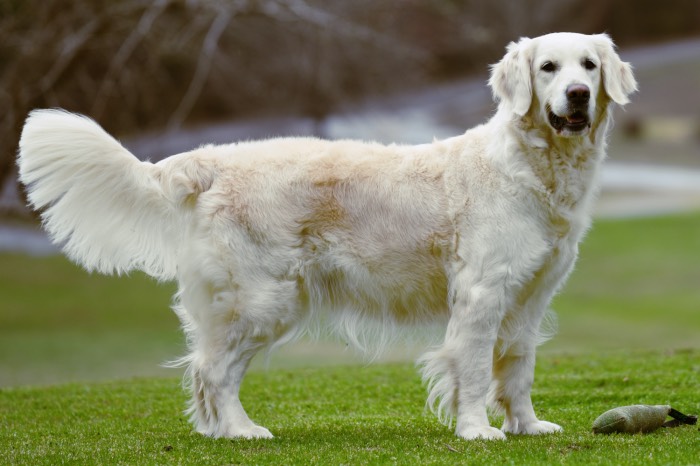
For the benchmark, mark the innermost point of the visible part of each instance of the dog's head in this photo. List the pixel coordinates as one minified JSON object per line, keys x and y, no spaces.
{"x":562,"y":79}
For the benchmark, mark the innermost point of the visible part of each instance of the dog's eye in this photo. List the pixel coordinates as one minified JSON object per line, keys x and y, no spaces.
{"x":548,"y":67}
{"x":589,"y":64}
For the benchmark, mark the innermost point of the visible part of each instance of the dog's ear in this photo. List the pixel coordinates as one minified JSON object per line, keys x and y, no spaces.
{"x":617,"y":77}
{"x":511,"y":78}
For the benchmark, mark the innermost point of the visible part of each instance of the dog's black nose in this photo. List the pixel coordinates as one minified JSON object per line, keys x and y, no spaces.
{"x":578,"y":93}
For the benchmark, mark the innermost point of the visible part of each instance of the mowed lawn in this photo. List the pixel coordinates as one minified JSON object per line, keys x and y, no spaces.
{"x":629,"y":332}
{"x":352,"y":415}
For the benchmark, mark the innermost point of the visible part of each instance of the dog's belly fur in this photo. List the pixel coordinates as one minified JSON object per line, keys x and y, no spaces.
{"x":401,"y":285}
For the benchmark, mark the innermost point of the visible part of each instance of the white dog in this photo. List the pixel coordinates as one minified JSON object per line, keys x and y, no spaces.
{"x":479,"y":230}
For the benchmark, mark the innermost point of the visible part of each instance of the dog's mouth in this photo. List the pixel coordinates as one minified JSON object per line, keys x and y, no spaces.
{"x":575,"y":122}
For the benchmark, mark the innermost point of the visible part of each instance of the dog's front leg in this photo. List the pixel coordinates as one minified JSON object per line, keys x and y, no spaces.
{"x":459,"y":372}
{"x":513,"y":377}
{"x":514,"y":367}
{"x":472,"y":334}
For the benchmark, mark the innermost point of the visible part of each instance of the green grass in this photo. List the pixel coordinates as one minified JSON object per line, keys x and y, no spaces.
{"x":352,"y":415}
{"x":636,"y":285}
{"x":629,"y":326}
{"x":59,"y":323}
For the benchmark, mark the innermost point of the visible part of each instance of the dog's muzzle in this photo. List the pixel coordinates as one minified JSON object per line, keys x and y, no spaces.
{"x":576,"y":119}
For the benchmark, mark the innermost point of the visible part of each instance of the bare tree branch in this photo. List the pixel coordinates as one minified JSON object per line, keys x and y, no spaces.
{"x":124,"y":52}
{"x":206,"y":56}
{"x":324,"y":19}
{"x":71,"y":47}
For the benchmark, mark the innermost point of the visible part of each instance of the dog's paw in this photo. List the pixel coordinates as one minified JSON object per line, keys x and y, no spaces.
{"x":248,"y":432}
{"x":255,"y":432}
{"x":482,"y":432}
{"x":531,"y":428}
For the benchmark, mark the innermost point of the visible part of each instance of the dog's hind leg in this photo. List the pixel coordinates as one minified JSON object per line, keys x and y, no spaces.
{"x":226,"y":328}
{"x":216,"y":372}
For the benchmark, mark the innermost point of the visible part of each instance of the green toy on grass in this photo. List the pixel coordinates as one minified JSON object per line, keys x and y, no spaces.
{"x":639,"y":418}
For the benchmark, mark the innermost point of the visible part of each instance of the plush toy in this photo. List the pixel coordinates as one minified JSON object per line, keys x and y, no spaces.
{"x":639,"y":418}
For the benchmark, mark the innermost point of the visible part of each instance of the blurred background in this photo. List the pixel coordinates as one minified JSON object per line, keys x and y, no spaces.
{"x":165,"y":76}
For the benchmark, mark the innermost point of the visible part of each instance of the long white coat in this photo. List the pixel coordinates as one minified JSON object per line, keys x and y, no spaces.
{"x":478,"y":231}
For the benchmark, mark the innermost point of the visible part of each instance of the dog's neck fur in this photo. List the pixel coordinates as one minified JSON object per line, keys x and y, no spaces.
{"x":566,"y":167}
{"x":563,"y":171}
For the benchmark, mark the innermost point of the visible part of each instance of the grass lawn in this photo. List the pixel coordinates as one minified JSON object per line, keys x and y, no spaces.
{"x":629,"y":332}
{"x":636,"y":285}
{"x":352,"y":415}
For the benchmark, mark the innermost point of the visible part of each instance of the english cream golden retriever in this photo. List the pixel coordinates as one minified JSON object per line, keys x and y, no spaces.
{"x":478,"y":231}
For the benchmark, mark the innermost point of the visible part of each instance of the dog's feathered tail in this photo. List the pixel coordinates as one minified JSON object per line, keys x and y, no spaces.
{"x":108,"y":210}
